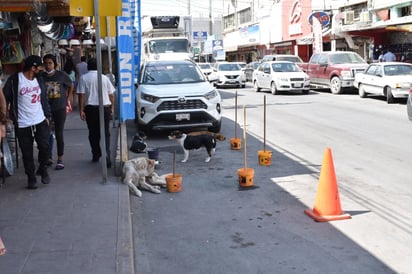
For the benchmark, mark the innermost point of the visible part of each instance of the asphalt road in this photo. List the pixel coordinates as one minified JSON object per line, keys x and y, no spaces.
{"x":213,"y":226}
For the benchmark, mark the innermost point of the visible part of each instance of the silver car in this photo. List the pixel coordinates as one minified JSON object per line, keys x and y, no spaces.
{"x":176,"y":95}
{"x":229,"y":75}
{"x":278,"y":76}
{"x":390,"y":79}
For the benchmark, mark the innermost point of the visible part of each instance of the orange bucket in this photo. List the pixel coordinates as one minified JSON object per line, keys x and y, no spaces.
{"x":265,"y":157}
{"x":235,"y":143}
{"x":245,"y":176}
{"x":174,"y":182}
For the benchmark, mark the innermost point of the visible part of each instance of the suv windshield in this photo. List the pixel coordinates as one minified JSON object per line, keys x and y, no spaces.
{"x":346,"y":58}
{"x":160,"y":74}
{"x":294,"y":59}
{"x":228,"y":67}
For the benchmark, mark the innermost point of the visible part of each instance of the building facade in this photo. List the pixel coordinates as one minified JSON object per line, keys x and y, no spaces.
{"x":252,"y":30}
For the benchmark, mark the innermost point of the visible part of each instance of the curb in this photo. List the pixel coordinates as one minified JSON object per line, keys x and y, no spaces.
{"x":125,"y":247}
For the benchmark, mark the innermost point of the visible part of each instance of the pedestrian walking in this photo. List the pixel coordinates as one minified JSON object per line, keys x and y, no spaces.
{"x":82,"y":66}
{"x":71,"y":70}
{"x":59,"y":89}
{"x":3,"y":118}
{"x":389,"y":57}
{"x":29,"y":110}
{"x":88,"y":94}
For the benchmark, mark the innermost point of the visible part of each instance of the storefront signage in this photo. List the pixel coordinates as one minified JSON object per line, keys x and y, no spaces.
{"x":323,"y":18}
{"x":126,"y":61}
{"x":200,"y":35}
{"x":295,"y":26}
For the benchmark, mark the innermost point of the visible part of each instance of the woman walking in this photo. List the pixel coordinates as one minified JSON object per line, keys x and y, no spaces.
{"x":59,"y":88}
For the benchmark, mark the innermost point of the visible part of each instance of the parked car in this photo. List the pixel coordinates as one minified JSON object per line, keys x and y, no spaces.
{"x":280,"y":76}
{"x":250,"y":68}
{"x":242,"y":68}
{"x":390,"y":79}
{"x":409,"y":105}
{"x":175,"y":94}
{"x":207,"y":70}
{"x":229,"y":75}
{"x":334,"y":70}
{"x":282,"y":57}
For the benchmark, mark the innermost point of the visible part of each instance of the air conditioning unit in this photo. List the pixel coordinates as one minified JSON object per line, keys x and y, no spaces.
{"x":349,"y":17}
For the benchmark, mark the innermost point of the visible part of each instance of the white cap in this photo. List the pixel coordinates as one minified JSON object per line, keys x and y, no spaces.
{"x":63,"y":42}
{"x":74,"y":42}
{"x":88,"y":42}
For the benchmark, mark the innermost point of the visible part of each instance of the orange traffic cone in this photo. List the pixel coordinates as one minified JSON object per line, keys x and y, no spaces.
{"x":327,"y":205}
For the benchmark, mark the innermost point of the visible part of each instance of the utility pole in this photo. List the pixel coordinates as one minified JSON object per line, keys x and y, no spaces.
{"x":188,"y":7}
{"x":210,"y":18}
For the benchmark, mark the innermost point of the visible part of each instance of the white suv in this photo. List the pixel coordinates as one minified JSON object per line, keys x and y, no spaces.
{"x":176,"y":95}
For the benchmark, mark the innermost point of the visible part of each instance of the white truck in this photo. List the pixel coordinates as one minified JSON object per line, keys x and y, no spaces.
{"x":166,"y":38}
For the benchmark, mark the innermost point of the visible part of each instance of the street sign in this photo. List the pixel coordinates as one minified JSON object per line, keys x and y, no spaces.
{"x":200,"y":35}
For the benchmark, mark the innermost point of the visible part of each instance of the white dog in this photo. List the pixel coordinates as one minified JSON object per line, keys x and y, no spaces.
{"x":139,"y":173}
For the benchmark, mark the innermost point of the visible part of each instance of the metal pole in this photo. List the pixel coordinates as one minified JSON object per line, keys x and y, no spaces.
{"x":210,"y":18}
{"x":99,"y":87}
{"x":109,"y":56}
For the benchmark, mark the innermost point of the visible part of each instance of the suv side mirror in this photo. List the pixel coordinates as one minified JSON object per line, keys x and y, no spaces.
{"x":266,"y":70}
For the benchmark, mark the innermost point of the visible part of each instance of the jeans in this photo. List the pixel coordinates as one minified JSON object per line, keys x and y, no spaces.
{"x":39,"y":133}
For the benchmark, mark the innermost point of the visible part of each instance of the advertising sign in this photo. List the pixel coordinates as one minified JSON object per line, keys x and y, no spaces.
{"x":126,"y":61}
{"x":323,"y":18}
{"x":200,"y":35}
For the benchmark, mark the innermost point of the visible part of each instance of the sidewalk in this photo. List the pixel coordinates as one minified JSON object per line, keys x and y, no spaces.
{"x":76,"y":224}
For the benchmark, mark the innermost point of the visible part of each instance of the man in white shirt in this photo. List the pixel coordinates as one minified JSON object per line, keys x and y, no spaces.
{"x":29,"y":110}
{"x":88,"y":95}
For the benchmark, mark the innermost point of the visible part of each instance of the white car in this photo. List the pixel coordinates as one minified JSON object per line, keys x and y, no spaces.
{"x":207,"y":70}
{"x":175,"y":94}
{"x":390,"y":79}
{"x":280,"y":76}
{"x":229,"y":75}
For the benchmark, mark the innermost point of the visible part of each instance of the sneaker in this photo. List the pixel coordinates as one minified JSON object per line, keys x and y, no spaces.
{"x":59,"y":165}
{"x":31,"y":183}
{"x":50,"y":162}
{"x":95,"y":158}
{"x":45,"y":179}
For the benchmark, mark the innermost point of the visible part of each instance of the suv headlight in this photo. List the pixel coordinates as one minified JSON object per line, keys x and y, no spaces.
{"x":211,"y":94}
{"x":149,"y":98}
{"x":346,"y":74}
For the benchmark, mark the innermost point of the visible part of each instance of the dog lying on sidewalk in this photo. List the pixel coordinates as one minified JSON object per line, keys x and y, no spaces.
{"x":138,"y":173}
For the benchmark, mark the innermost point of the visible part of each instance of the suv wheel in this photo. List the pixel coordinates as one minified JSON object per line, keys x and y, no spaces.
{"x":335,"y":85}
{"x":216,"y":127}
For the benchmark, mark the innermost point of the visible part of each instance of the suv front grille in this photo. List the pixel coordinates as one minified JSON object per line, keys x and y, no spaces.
{"x":357,"y":70}
{"x":188,"y":104}
{"x":231,"y":76}
{"x":296,"y":79}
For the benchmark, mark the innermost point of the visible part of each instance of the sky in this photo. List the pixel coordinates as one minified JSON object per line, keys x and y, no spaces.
{"x":198,"y":8}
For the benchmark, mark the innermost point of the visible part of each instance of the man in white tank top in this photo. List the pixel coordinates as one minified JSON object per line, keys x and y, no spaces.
{"x":25,"y":93}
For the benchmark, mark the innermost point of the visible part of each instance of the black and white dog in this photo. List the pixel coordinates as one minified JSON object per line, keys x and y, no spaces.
{"x":188,"y":142}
